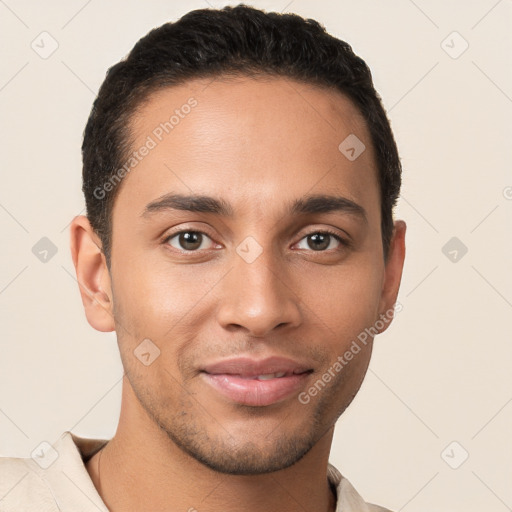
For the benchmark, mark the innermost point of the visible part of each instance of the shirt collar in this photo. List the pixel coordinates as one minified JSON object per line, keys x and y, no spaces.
{"x":74,"y":490}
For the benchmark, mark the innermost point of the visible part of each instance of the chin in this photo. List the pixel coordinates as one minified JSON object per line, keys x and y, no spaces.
{"x":228,"y":456}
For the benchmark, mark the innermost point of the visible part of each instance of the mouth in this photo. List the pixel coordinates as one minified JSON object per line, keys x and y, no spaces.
{"x":256,"y":383}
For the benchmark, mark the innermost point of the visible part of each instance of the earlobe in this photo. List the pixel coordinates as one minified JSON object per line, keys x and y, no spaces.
{"x":393,"y":273}
{"x":92,"y":274}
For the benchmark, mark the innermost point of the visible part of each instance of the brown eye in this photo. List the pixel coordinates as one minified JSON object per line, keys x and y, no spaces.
{"x":320,"y":241}
{"x":187,"y":240}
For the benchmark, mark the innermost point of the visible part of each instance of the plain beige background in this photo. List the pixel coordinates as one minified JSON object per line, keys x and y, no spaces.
{"x":442,"y":372}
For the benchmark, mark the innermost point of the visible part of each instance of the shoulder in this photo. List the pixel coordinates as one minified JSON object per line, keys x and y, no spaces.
{"x":348,"y":499}
{"x":376,"y":508}
{"x":22,"y":488}
{"x":53,"y":479}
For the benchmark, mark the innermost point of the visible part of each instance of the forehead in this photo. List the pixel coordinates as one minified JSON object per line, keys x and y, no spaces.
{"x":249,"y":139}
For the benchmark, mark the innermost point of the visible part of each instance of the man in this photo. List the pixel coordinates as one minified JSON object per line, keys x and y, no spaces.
{"x":239,"y":176}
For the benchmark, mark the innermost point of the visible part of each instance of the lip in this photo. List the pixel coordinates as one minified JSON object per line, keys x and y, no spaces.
{"x":247,"y":367}
{"x":236,"y":379}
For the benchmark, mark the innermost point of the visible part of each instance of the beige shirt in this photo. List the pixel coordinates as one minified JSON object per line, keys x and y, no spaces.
{"x":55,"y":479}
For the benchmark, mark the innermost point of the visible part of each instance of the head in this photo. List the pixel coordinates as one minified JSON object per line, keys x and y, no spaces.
{"x":240,"y":175}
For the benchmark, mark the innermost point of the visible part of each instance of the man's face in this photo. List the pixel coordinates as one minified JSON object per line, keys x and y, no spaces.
{"x":256,"y":281}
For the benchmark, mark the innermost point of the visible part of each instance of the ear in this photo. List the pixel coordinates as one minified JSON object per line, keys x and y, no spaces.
{"x":393,"y":272}
{"x":92,"y":274}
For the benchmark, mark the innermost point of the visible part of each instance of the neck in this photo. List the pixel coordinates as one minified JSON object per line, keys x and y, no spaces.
{"x":141,"y":468}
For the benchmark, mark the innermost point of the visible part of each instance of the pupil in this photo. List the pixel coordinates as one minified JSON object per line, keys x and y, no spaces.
{"x":319,"y":241}
{"x":190,"y":240}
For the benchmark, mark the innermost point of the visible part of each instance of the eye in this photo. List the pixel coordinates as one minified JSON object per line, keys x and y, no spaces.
{"x":189,"y":240}
{"x":320,"y":241}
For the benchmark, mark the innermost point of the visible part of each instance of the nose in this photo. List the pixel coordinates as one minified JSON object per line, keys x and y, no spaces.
{"x":258,"y":297}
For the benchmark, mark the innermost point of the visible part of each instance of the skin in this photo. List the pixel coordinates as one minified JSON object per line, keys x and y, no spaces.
{"x":257,"y":144}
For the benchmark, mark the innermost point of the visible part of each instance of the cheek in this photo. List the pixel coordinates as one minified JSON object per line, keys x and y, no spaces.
{"x":344,"y":300}
{"x":152,"y":295}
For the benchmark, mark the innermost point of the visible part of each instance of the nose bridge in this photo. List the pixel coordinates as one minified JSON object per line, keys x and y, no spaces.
{"x":256,"y":295}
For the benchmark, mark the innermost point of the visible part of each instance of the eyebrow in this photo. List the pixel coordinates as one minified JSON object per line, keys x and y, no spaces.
{"x":321,"y":203}
{"x":191,"y":203}
{"x":318,"y":203}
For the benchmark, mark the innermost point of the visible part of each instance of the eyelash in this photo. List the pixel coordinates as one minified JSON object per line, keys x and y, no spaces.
{"x":344,"y":242}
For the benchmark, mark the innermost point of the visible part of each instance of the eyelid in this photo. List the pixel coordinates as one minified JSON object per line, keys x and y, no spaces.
{"x":336,"y":232}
